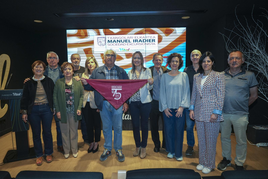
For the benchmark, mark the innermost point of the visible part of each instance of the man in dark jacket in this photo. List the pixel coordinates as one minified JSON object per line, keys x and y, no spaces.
{"x":111,"y":117}
{"x":53,"y":71}
{"x":157,"y":72}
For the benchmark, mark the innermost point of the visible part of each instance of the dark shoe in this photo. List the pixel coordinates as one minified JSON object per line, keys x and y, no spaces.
{"x":189,"y":151}
{"x":156,"y":149}
{"x":163,"y":146}
{"x":120,"y":156}
{"x":106,"y":153}
{"x":89,"y":150}
{"x":94,"y":151}
{"x":224,"y":164}
{"x":60,"y":149}
{"x":239,"y":167}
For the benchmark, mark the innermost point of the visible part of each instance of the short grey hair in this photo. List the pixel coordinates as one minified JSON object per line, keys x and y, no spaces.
{"x":48,"y":53}
{"x":235,"y":50}
{"x":76,"y":54}
{"x":110,"y":50}
{"x":157,"y":54}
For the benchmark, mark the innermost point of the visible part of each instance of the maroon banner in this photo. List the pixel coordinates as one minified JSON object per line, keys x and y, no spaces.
{"x":116,"y":92}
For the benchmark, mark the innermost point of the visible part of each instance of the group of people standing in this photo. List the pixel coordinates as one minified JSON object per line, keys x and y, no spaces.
{"x":212,"y":100}
{"x":57,"y":91}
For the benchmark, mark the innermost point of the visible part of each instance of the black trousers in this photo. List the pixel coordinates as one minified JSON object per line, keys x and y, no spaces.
{"x":154,"y":118}
{"x":93,"y":122}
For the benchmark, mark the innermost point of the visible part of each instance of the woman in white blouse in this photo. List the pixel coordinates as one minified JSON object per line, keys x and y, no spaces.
{"x":90,"y":111}
{"x":140,"y":104}
{"x":174,"y":97}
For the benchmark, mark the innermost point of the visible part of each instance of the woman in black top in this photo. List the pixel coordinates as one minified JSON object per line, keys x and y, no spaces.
{"x":37,"y":107}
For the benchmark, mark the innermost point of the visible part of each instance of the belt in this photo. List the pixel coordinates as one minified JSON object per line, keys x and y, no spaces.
{"x":38,"y":104}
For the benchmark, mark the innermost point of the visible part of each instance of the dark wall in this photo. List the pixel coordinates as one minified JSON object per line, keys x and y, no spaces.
{"x":50,"y":41}
{"x":23,"y":48}
{"x":258,"y":113}
{"x":208,"y":38}
{"x":18,"y":45}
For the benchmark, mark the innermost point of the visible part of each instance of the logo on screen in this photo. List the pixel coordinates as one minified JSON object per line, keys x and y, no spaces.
{"x":124,"y":49}
{"x":101,"y":41}
{"x":116,"y":94}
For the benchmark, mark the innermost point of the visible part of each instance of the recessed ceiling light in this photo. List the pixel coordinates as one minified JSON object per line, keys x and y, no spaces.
{"x":38,"y":21}
{"x":185,"y":17}
{"x":109,"y":19}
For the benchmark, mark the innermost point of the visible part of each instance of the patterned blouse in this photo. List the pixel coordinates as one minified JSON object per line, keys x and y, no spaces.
{"x":69,"y":96}
{"x":136,"y":96}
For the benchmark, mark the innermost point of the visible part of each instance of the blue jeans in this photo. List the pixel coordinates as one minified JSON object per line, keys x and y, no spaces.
{"x":112,"y":118}
{"x":189,"y":127}
{"x":59,"y":137}
{"x":41,"y":113}
{"x":139,"y":114}
{"x":174,"y":130}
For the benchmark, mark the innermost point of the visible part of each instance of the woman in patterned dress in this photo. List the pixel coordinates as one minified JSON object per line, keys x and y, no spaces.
{"x":206,"y":109}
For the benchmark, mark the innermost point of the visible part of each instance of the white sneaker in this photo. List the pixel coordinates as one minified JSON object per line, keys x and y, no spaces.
{"x":75,"y":155}
{"x":199,"y":167}
{"x":66,"y":155}
{"x":206,"y":170}
{"x":179,"y":159}
{"x":170,"y":155}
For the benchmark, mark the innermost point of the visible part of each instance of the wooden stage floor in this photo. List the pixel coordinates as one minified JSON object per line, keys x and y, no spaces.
{"x":257,"y":157}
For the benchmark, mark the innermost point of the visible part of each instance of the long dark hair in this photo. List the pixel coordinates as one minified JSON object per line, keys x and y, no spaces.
{"x":206,"y":54}
{"x":142,"y":61}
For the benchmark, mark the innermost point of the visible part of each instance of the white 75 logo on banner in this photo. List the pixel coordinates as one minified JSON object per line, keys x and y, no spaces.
{"x":115,"y":90}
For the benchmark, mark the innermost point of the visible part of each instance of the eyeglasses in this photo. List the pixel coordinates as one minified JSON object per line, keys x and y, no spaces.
{"x":110,"y":55}
{"x":54,"y":58}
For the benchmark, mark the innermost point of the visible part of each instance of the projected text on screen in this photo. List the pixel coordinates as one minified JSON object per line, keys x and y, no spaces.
{"x":125,"y":41}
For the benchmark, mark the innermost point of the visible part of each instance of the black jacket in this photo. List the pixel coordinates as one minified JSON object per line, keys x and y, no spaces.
{"x":29,"y":92}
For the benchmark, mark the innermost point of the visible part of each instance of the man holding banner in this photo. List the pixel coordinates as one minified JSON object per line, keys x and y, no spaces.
{"x":110,"y":116}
